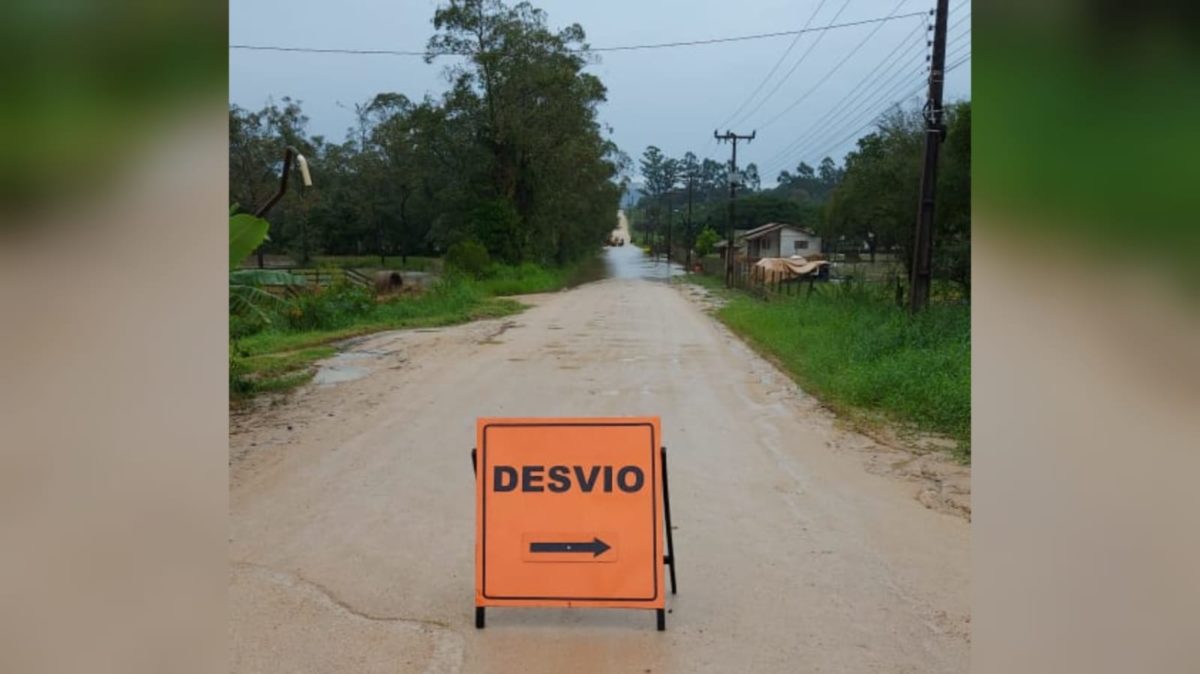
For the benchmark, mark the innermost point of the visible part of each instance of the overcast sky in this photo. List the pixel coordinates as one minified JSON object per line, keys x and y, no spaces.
{"x":673,"y":98}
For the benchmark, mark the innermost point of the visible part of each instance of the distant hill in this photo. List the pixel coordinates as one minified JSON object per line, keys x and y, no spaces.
{"x":631,"y":196}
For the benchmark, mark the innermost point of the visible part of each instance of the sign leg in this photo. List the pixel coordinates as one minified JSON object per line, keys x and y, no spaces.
{"x":478,"y":609}
{"x":667,"y":512}
{"x":662,"y":619}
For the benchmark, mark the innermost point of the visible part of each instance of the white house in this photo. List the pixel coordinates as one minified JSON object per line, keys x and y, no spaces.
{"x":777,"y":239}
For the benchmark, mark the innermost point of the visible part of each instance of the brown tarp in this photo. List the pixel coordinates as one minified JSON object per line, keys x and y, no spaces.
{"x":772,"y":269}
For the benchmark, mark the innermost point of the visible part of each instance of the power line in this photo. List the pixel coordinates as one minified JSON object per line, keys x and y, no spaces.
{"x":775,"y":67}
{"x":885,"y":93}
{"x":795,"y":65}
{"x":859,"y":90}
{"x":871,"y":110}
{"x":832,"y":71}
{"x":959,"y":36}
{"x":884,"y":88}
{"x":634,"y":47}
{"x":849,"y":24}
{"x":959,"y":44}
{"x":958,"y":23}
{"x":959,"y":52}
{"x":317,"y":50}
{"x":817,"y":135}
{"x":964,"y":48}
{"x":830,"y":147}
{"x":893,"y":103}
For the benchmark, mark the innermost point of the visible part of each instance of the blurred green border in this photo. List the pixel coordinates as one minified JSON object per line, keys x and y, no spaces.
{"x":1088,"y":131}
{"x":85,"y":81}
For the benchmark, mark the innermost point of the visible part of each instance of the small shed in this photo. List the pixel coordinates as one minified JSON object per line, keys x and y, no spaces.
{"x":777,"y":239}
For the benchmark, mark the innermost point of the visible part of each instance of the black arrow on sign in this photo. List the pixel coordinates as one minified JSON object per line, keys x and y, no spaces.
{"x":596,"y":546}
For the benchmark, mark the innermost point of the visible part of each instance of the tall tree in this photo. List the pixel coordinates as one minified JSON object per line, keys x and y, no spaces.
{"x":550,"y":192}
{"x":753,"y":182}
{"x":653,"y":165}
{"x":876,"y":200}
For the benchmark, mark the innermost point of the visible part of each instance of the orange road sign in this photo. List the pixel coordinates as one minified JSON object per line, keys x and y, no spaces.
{"x":569,"y":513}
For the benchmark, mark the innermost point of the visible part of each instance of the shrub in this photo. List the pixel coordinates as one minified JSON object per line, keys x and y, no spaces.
{"x":706,"y":241}
{"x":245,"y":325}
{"x":333,"y":307}
{"x":239,"y":385}
{"x":469,"y":257}
{"x":497,"y":225}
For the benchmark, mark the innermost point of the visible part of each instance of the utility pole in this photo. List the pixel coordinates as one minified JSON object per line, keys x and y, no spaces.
{"x":670,"y":216}
{"x":921,"y":274}
{"x":729,"y":249}
{"x":689,"y":232}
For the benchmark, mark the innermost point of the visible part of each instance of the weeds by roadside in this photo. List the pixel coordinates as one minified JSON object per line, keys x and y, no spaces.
{"x":850,"y":346}
{"x":278,"y":355}
{"x":529,"y":278}
{"x":275,"y":351}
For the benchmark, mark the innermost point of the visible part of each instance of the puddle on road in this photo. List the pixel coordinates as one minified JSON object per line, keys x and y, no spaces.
{"x":629,"y":261}
{"x":341,"y":368}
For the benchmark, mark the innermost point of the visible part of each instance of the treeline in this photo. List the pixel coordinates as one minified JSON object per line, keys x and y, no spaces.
{"x":867,"y":204}
{"x":511,"y":157}
{"x":796,"y":199}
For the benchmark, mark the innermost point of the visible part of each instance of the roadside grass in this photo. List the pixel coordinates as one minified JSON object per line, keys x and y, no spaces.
{"x":278,"y":341}
{"x":274,"y":365}
{"x":851,"y":347}
{"x":280,"y":356}
{"x":524,"y":279}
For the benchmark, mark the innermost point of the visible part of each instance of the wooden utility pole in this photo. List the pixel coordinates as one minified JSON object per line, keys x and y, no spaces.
{"x":670,"y":216}
{"x":729,"y":249}
{"x":921,"y":272}
{"x":689,"y":232}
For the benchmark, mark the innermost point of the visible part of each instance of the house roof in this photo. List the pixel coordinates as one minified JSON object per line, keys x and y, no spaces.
{"x":772,"y":227}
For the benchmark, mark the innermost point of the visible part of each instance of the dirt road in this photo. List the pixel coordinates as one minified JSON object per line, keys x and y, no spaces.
{"x":352,"y":515}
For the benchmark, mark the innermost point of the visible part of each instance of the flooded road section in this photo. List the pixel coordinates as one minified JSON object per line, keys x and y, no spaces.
{"x":631,"y":262}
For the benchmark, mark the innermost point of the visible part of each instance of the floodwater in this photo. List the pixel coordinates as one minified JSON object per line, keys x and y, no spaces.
{"x":629,"y":261}
{"x":341,"y":368}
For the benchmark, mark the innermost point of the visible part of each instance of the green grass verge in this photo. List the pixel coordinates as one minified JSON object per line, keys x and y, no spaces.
{"x":280,"y":357}
{"x":527,"y":278}
{"x":856,"y":351}
{"x":278,"y":360}
{"x":272,"y":365}
{"x":276,"y":341}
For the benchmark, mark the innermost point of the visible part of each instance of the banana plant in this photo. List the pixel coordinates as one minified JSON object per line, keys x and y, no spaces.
{"x":246,"y":233}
